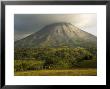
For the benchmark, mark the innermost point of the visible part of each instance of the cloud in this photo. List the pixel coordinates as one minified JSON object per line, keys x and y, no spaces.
{"x":29,"y":23}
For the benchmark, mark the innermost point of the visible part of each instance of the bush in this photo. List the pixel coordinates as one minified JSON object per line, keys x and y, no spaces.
{"x":87,"y":64}
{"x":24,"y":65}
{"x":53,"y":58}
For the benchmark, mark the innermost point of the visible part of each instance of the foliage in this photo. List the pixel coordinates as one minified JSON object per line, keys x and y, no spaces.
{"x":54,"y":58}
{"x":23,"y":65}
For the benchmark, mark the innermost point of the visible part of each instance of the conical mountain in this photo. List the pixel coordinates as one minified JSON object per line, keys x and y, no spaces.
{"x":58,"y":35}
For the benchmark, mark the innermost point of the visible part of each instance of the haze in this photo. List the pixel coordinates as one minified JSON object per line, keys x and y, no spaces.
{"x":26,"y":24}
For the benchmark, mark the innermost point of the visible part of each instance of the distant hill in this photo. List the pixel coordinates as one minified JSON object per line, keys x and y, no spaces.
{"x":58,"y":35}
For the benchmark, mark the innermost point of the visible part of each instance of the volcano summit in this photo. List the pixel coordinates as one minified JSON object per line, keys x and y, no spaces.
{"x":58,"y":35}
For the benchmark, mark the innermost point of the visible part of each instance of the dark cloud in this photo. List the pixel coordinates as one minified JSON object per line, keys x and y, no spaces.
{"x":26,"y":24}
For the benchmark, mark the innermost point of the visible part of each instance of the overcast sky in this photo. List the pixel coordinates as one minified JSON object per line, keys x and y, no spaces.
{"x":26,"y":24}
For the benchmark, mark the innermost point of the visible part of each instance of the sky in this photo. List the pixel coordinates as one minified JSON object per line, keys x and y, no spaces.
{"x":26,"y":24}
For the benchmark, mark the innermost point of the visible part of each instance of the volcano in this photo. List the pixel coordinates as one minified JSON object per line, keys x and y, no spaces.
{"x":58,"y":35}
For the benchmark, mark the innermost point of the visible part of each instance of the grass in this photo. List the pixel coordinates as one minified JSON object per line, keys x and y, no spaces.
{"x":70,"y":72}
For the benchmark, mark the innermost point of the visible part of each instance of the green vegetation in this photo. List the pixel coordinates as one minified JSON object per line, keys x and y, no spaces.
{"x":72,"y":72}
{"x":23,"y":65}
{"x":53,"y":59}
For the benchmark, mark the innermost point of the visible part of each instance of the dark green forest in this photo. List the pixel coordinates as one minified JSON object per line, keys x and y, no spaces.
{"x":54,"y":58}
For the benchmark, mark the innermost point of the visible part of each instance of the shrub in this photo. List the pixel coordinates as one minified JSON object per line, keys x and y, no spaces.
{"x":53,"y":58}
{"x":24,"y":65}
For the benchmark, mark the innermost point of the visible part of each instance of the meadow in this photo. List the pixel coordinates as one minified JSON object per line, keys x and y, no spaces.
{"x":69,"y":72}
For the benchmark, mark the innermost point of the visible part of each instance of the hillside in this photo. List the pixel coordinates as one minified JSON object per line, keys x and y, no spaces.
{"x":58,"y":35}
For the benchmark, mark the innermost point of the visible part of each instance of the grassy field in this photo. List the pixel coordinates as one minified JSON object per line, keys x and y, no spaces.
{"x":72,"y":72}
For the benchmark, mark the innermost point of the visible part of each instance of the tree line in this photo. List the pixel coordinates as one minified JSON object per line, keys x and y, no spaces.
{"x":54,"y":58}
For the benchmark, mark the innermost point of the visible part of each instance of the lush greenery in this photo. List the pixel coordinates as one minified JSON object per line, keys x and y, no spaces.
{"x":69,"y":72}
{"x":23,"y":65}
{"x":54,"y":58}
